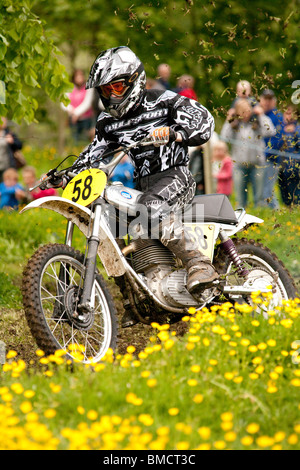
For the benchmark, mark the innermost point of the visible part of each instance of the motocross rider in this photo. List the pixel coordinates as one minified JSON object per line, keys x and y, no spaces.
{"x":131,"y":112}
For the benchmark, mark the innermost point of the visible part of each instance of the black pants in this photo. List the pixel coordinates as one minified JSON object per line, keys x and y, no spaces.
{"x":166,"y":192}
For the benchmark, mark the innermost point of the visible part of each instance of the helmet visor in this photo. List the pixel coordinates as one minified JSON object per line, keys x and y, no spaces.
{"x":117,"y":88}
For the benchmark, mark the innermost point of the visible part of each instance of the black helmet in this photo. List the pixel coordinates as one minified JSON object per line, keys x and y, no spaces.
{"x":119,"y":71}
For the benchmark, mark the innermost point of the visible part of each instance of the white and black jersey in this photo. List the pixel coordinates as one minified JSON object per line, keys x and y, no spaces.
{"x":157,"y":108}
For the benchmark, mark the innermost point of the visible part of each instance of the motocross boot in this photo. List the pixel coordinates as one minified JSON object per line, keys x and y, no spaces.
{"x":201,"y":272}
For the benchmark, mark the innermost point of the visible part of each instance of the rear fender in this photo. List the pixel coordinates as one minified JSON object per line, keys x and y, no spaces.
{"x":108,"y":250}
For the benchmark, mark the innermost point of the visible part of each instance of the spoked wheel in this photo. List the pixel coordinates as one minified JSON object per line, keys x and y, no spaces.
{"x":265,"y":269}
{"x":52,"y":283}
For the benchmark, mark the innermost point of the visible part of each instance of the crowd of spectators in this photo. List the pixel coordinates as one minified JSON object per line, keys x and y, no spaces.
{"x":255,"y":151}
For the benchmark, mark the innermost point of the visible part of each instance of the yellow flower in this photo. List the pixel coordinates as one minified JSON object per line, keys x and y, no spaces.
{"x":50,"y":413}
{"x":26,"y":407}
{"x":198,"y":398}
{"x":92,"y":415}
{"x":226,"y":425}
{"x":295,"y":382}
{"x":230,"y":436}
{"x":194,"y":339}
{"x":220,"y":445}
{"x":152,"y":383}
{"x":257,"y":360}
{"x":286,"y":322}
{"x":247,"y":440}
{"x":195,"y":368}
{"x":146,"y":419}
{"x":169,"y":344}
{"x":173,"y":411}
{"x":145,"y":374}
{"x":252,"y":428}
{"x":227,"y":416}
{"x":279,"y":436}
{"x":297,"y":428}
{"x":17,"y":388}
{"x":11,"y":354}
{"x":213,"y":362}
{"x":265,"y":441}
{"x":183,"y":445}
{"x":204,"y":432}
{"x":292,"y":439}
{"x":130,"y":349}
{"x":192,"y":382}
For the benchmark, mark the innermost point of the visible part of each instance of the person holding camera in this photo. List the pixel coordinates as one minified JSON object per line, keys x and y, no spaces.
{"x":246,"y":136}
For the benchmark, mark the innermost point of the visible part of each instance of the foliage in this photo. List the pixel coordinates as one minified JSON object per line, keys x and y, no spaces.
{"x":28,"y":60}
{"x":218,"y":43}
{"x":232,"y":382}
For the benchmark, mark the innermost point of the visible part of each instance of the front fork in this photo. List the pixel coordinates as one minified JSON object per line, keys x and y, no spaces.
{"x":85,"y":304}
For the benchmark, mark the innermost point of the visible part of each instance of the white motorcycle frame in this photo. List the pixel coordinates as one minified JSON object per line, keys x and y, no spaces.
{"x":110,"y":255}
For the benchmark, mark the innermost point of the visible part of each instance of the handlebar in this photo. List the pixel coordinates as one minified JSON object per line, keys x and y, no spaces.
{"x":108,"y":167}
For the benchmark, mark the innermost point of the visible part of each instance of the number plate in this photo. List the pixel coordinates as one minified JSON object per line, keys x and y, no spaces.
{"x":86,"y":187}
{"x":203,"y":235}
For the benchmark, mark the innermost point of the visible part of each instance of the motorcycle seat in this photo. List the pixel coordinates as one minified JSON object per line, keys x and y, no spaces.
{"x":211,"y":208}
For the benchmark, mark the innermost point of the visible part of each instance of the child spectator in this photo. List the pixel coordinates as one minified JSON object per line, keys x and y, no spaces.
{"x":11,"y":192}
{"x":124,"y":172}
{"x":30,"y":180}
{"x":9,"y":143}
{"x":185,"y":87}
{"x":289,"y":176}
{"x":223,"y":163}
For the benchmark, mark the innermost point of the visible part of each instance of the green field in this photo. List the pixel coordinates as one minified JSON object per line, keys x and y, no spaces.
{"x":230,"y":382}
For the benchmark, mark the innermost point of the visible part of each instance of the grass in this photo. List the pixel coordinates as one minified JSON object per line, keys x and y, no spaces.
{"x":232,"y":382}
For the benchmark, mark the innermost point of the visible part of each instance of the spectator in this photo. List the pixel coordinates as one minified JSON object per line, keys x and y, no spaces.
{"x":268,"y":103}
{"x":151,"y":83}
{"x":9,"y":144}
{"x":80,"y":109}
{"x":224,"y":174}
{"x":30,"y":180}
{"x":164,"y":74}
{"x":124,"y":172}
{"x":289,"y":176}
{"x":196,"y":166}
{"x":248,"y":148}
{"x":11,"y":192}
{"x":243,"y":90}
{"x":185,"y":87}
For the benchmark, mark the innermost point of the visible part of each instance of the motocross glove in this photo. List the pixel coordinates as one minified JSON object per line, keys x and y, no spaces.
{"x":53,"y":182}
{"x":162,"y":136}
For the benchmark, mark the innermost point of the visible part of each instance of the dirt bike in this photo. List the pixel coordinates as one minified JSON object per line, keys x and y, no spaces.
{"x":66,"y":299}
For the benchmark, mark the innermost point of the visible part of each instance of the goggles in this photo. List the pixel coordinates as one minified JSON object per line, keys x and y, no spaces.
{"x":118,"y":88}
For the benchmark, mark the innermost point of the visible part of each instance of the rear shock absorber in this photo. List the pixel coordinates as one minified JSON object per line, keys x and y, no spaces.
{"x":230,"y":249}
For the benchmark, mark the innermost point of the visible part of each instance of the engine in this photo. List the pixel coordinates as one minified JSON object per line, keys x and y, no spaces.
{"x":164,"y":277}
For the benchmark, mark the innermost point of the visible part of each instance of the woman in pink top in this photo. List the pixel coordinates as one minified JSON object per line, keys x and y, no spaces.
{"x":80,"y":108}
{"x":224,"y":172}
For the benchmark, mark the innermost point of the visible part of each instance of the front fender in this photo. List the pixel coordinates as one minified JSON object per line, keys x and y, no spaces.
{"x":108,"y":251}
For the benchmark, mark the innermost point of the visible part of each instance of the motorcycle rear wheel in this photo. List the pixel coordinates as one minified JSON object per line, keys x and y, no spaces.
{"x":264,"y":269}
{"x":52,"y":281}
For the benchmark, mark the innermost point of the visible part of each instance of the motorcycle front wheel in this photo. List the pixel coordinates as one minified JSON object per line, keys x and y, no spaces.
{"x":264,"y":268}
{"x":52,"y":283}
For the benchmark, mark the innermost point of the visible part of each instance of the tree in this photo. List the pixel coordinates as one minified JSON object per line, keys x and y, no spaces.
{"x":28,"y":60}
{"x":218,"y":42}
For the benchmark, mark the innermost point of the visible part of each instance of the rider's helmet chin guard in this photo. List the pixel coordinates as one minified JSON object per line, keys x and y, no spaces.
{"x":119,"y":71}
